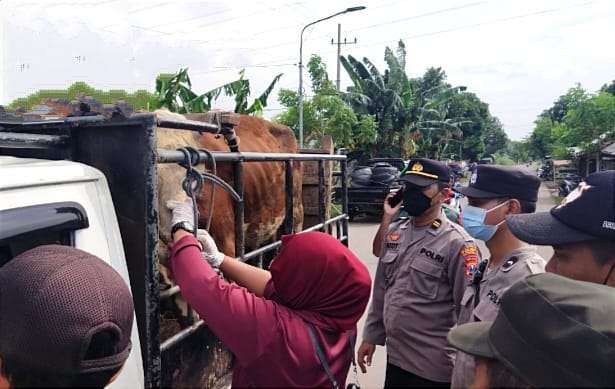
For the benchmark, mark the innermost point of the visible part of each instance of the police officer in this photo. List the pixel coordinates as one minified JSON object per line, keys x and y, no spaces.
{"x":493,"y":193}
{"x":581,"y":230}
{"x":419,"y":281}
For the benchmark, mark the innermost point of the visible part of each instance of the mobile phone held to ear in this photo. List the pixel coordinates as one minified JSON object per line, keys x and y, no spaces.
{"x":393,"y":201}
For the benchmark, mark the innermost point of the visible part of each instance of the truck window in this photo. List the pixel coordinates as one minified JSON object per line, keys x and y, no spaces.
{"x":27,"y":227}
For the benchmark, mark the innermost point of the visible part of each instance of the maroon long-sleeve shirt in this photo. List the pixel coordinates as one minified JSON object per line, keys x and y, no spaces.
{"x":270,"y":341}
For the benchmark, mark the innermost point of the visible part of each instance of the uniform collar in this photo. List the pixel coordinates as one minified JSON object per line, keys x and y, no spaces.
{"x":437,"y":226}
{"x":506,"y":263}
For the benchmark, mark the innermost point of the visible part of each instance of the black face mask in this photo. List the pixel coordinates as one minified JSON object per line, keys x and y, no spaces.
{"x":415,"y":201}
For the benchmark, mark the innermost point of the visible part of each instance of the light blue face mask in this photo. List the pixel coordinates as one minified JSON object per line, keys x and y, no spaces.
{"x":473,"y":220}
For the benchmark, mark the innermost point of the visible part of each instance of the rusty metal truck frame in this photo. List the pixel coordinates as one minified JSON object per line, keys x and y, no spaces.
{"x":124,"y":149}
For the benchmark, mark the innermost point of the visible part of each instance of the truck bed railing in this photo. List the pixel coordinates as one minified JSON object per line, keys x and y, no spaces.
{"x":340,"y":222}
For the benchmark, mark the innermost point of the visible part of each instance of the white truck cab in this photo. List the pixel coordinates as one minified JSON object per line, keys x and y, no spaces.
{"x":69,"y":203}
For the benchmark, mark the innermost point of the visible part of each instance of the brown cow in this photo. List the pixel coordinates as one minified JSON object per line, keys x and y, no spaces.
{"x":264,"y":195}
{"x":202,"y":361}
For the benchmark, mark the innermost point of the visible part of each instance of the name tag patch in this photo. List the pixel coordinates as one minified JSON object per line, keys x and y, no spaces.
{"x":430,"y":254}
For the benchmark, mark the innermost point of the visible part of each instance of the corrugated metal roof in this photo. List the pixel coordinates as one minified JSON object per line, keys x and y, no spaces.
{"x":610,"y":149}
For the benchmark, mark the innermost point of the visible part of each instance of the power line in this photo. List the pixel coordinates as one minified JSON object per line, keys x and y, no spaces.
{"x":440,"y":11}
{"x":192,"y":18}
{"x":469,"y":26}
{"x":149,"y":7}
{"x":240,"y":17}
{"x":227,"y":68}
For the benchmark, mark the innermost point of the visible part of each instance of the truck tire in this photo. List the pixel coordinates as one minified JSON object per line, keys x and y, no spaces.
{"x":384,"y":173}
{"x":361,"y":176}
{"x":384,"y":179}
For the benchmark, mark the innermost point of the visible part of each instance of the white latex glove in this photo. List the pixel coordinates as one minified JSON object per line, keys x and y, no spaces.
{"x":210,"y":250}
{"x":182,"y":211}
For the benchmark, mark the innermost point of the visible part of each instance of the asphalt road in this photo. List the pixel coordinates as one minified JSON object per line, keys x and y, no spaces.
{"x":361,"y":234}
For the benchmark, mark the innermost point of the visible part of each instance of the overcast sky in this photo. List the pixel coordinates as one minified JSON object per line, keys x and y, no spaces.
{"x":518,"y":56}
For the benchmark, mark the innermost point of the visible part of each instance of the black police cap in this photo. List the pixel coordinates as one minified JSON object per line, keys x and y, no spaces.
{"x":494,"y":181}
{"x":587,"y":213}
{"x":423,"y":172}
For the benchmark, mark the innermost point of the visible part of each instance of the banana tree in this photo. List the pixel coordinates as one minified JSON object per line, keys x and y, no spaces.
{"x":437,"y":129}
{"x":174,"y":92}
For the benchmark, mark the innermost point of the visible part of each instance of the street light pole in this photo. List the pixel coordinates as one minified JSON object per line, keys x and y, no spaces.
{"x":351,"y":9}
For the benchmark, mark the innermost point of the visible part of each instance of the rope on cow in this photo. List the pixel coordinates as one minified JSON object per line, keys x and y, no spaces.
{"x":192,"y":184}
{"x":214,"y":169}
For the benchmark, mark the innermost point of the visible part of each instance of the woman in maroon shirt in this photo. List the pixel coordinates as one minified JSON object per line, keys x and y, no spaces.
{"x":315,"y":281}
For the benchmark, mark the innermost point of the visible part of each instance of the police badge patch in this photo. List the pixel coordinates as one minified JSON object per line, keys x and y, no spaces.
{"x":392,"y":241}
{"x":469,"y":253}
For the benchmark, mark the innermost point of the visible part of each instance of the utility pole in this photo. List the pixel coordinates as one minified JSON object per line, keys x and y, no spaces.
{"x":339,"y":44}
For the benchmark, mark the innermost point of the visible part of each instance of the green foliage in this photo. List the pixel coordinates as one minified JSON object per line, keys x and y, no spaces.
{"x":572,"y":99}
{"x":139,"y":100}
{"x":519,"y":151}
{"x":609,"y":88}
{"x":502,"y":158}
{"x":383,"y":96}
{"x":424,"y":115}
{"x":327,"y":113}
{"x":587,"y":121}
{"x":174,"y":92}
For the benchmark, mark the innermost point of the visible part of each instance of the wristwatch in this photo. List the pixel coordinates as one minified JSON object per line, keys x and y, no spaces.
{"x":182,"y":226}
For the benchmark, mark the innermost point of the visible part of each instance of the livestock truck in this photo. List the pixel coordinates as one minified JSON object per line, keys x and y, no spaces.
{"x":90,"y":182}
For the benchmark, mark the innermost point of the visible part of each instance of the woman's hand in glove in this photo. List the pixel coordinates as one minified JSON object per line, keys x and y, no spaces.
{"x":181,"y":212}
{"x":210,"y":250}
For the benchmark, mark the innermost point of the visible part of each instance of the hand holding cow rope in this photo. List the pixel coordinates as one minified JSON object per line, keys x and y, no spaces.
{"x":193,"y":182}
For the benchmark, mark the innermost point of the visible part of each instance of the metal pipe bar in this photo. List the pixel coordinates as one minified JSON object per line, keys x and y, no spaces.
{"x":338,"y":230}
{"x":169,"y":292}
{"x":31,"y":141}
{"x":174,"y":156}
{"x":181,"y":335}
{"x":277,"y":244}
{"x":288,"y":186}
{"x":261,"y":251}
{"x":62,"y":122}
{"x":190,"y":125}
{"x":344,"y":179}
{"x":321,"y":192}
{"x":239,"y":209}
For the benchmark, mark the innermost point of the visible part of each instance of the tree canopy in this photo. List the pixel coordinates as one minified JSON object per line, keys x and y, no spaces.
{"x":423,"y":116}
{"x":140,"y":99}
{"x":577,"y":121}
{"x":326,"y":113}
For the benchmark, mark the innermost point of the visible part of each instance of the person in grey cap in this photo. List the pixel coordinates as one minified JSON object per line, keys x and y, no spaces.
{"x":493,"y":193}
{"x":549,"y":332}
{"x":65,"y":320}
{"x":581,"y":230}
{"x":419,"y":282}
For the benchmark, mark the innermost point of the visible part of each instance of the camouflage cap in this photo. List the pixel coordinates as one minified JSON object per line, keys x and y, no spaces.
{"x":550,"y":331}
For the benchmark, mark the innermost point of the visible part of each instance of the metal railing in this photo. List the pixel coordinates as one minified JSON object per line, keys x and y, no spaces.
{"x":340,"y":222}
